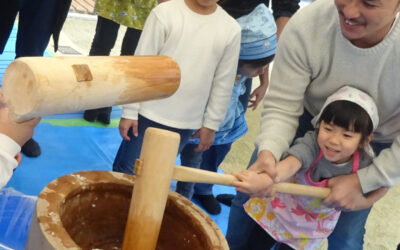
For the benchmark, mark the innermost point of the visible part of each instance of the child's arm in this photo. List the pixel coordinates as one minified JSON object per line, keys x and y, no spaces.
{"x":288,"y":167}
{"x":260,"y":184}
{"x":258,"y":93}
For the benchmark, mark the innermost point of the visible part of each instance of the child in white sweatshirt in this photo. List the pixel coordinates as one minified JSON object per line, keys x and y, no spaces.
{"x":205,"y":42}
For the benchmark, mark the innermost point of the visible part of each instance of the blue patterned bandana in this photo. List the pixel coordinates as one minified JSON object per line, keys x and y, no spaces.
{"x":258,"y":34}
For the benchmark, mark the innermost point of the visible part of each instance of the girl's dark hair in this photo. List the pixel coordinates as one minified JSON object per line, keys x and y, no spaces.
{"x":256,"y":63}
{"x":348,"y":115}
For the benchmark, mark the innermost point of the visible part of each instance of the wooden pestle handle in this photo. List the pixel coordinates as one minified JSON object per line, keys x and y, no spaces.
{"x":150,"y":193}
{"x":187,"y":174}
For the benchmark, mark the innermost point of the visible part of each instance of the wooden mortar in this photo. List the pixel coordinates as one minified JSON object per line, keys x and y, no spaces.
{"x":89,"y":210}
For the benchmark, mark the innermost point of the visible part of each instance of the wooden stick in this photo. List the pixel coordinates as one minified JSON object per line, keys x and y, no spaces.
{"x":202,"y":176}
{"x":150,"y":193}
{"x":188,"y":174}
{"x":38,"y":86}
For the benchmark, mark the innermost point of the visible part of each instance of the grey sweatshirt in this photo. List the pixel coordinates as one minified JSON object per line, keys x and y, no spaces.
{"x":313,"y":60}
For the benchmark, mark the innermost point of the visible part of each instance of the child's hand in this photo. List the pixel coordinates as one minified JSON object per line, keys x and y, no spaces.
{"x":253,"y":183}
{"x":125,"y":125}
{"x":256,"y":96}
{"x":206,"y":137}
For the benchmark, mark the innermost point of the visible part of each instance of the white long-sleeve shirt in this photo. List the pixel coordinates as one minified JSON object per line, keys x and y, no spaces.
{"x":8,"y":150}
{"x":313,"y":60}
{"x":206,"y":48}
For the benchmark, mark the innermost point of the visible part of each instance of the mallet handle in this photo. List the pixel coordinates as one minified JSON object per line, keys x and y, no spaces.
{"x":150,"y":194}
{"x":187,"y":174}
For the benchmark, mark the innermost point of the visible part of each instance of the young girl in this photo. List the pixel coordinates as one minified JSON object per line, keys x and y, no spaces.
{"x":338,"y":146}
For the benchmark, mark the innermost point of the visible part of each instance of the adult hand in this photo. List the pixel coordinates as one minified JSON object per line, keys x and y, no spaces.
{"x":19,"y":132}
{"x":265,"y":163}
{"x":253,"y":183}
{"x":256,"y":96}
{"x":346,"y":193}
{"x":206,"y":137}
{"x":125,"y":125}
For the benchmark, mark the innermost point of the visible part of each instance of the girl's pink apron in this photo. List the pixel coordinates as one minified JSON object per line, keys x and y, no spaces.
{"x":299,"y":221}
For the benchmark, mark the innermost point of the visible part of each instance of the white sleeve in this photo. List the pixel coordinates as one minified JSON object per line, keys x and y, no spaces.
{"x":150,"y":43}
{"x":384,"y":170}
{"x":8,"y":151}
{"x":221,"y":90}
{"x":283,"y":102}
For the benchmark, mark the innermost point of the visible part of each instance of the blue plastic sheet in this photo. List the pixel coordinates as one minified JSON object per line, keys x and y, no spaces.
{"x":16,"y":210}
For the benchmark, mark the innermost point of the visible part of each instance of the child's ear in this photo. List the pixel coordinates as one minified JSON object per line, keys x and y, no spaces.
{"x":367,"y":140}
{"x":370,"y":138}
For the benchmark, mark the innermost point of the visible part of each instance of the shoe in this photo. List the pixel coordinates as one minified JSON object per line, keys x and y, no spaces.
{"x":90,"y":115}
{"x":104,"y":115}
{"x":209,"y":203}
{"x":225,"y":199}
{"x":31,"y":148}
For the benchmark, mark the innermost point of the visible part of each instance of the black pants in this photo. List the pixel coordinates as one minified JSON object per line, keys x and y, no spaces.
{"x":106,"y":35}
{"x":36,"y":24}
{"x":262,"y":240}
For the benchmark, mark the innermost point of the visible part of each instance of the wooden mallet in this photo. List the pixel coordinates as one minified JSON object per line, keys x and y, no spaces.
{"x":39,"y":86}
{"x":154,"y":171}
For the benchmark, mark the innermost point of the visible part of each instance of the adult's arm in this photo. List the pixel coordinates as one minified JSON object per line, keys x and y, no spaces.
{"x":384,"y":170}
{"x":283,"y":102}
{"x":12,"y":137}
{"x":8,"y":150}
